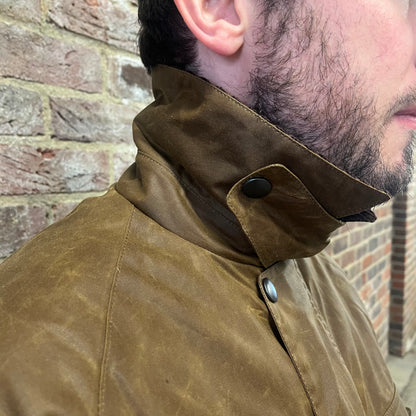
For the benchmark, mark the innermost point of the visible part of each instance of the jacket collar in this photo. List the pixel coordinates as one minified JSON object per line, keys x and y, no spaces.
{"x":215,"y":144}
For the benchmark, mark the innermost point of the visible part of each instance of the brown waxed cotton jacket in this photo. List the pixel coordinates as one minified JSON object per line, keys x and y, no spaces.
{"x":151,"y":300}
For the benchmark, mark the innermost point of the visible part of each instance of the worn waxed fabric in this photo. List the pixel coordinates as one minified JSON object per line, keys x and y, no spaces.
{"x":149,"y":300}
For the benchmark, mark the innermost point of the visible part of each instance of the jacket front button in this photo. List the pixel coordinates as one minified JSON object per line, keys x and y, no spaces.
{"x":256,"y":187}
{"x":270,"y":290}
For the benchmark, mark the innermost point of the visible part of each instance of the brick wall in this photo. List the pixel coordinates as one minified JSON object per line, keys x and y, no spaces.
{"x":363,"y":250}
{"x":70,"y":85}
{"x":403,"y":302}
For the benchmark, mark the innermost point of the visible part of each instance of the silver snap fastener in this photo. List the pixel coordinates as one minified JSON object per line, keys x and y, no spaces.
{"x":270,"y":290}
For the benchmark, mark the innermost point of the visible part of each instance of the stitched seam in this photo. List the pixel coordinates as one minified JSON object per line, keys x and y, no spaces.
{"x":390,"y":406}
{"x":274,"y":129}
{"x":295,"y":361}
{"x":187,"y":187}
{"x":390,"y":409}
{"x":108,"y":333}
{"x":319,"y":316}
{"x":292,"y":356}
{"x":315,"y":201}
{"x":212,"y":208}
{"x":322,"y":321}
{"x":243,"y":226}
{"x":308,"y":195}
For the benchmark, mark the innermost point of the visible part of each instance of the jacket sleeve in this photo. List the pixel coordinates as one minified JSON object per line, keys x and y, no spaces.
{"x":49,"y":360}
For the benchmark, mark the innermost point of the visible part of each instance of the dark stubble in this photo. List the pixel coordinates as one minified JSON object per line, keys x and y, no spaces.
{"x":303,"y":84}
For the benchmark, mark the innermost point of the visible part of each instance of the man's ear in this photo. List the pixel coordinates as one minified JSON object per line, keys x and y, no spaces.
{"x":218,"y":24}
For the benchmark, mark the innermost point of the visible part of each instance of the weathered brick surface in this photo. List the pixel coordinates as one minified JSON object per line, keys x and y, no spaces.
{"x":26,"y":170}
{"x":113,"y":22}
{"x":402,"y":308}
{"x":29,"y":10}
{"x":21,"y":112}
{"x":91,"y":121}
{"x":62,"y":209}
{"x":38,"y":56}
{"x":129,"y":79}
{"x":18,"y":224}
{"x":122,"y":160}
{"x":33,"y":57}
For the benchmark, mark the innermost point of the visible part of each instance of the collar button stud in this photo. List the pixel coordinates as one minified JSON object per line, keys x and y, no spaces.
{"x":256,"y":187}
{"x":270,"y":290}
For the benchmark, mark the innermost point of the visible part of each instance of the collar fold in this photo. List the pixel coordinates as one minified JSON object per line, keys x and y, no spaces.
{"x":215,"y":144}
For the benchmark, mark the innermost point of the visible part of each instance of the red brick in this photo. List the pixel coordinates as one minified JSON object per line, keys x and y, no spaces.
{"x":362,"y":250}
{"x":398,"y":284}
{"x":112,"y":22}
{"x":368,"y":261}
{"x":400,"y":203}
{"x":367,"y":231}
{"x":26,"y":170}
{"x":396,"y":309}
{"x":356,"y":237}
{"x":61,"y":210}
{"x":91,"y":121}
{"x":378,"y":321}
{"x":340,"y":244}
{"x":399,"y":250}
{"x":381,"y":292}
{"x":398,"y":267}
{"x":395,"y":334}
{"x":385,"y":303}
{"x":365,"y":292}
{"x":30,"y":56}
{"x":386,"y":275}
{"x":21,"y":112}
{"x":400,"y":225}
{"x":29,"y":10}
{"x":396,"y":318}
{"x":364,"y":278}
{"x":399,"y":239}
{"x":19,"y":223}
{"x":122,"y":160}
{"x":129,"y":79}
{"x":347,"y":258}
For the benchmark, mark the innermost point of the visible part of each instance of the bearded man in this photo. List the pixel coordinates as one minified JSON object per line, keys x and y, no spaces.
{"x":197,"y":285}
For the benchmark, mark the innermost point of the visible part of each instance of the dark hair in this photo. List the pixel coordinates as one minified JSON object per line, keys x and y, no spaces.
{"x":164,"y":37}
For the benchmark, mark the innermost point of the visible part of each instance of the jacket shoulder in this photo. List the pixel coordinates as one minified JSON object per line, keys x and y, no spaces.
{"x":54,"y":296}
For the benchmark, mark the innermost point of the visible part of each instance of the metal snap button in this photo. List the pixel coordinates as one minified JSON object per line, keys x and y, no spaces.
{"x":256,"y":187}
{"x":270,"y":290}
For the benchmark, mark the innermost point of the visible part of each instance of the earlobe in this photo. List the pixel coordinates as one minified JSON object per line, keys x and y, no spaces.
{"x":218,"y":24}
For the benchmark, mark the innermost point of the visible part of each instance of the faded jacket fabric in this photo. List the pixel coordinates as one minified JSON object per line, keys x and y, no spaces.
{"x":151,"y":299}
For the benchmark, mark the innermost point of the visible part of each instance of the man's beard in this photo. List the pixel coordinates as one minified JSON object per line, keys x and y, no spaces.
{"x":303,"y":84}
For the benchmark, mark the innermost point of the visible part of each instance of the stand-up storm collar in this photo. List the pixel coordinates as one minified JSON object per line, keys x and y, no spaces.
{"x":286,"y":198}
